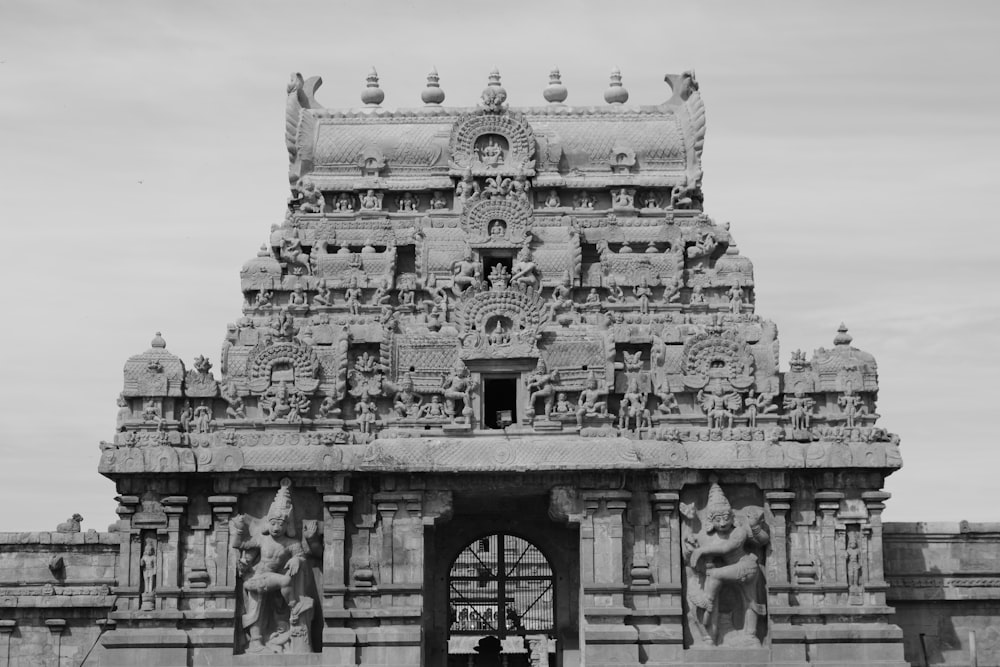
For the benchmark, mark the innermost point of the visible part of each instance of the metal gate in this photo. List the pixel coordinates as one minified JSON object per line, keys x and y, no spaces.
{"x":501,"y":585}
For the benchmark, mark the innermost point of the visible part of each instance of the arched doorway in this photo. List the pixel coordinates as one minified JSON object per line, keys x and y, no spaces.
{"x":502,"y":586}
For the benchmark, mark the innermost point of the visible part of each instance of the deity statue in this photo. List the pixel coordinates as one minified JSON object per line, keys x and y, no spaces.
{"x":553,"y":201}
{"x":499,"y":277}
{"x":541,"y":384}
{"x":467,"y":189}
{"x":370,"y":201}
{"x":524,"y":272}
{"x":562,"y":406}
{"x":281,"y":402}
{"x":499,"y":336}
{"x":704,"y":246}
{"x":438,"y":202}
{"x":186,"y":417}
{"x":615,"y":293}
{"x":308,"y":197}
{"x":432,"y":411}
{"x":352,"y":296}
{"x":497,"y":229}
{"x":275,"y":578}
{"x":324,"y":297}
{"x":381,"y":296}
{"x":799,"y":409}
{"x":328,"y":408}
{"x":562,"y":295}
{"x":593,"y":300}
{"x":583,"y":200}
{"x":235,"y":409}
{"x":625,"y":198}
{"x":406,"y":402}
{"x":407,"y":202}
{"x":632,"y":412}
{"x":719,"y":408}
{"x":202,"y":418}
{"x":853,"y":564}
{"x":697,"y":296}
{"x":853,"y":407}
{"x":344,"y":203}
{"x":466,"y":273}
{"x":148,"y":566}
{"x":735,"y":294}
{"x":491,"y":154}
{"x":297,"y":296}
{"x":642,"y":293}
{"x":366,"y":414}
{"x":671,"y":290}
{"x":590,"y":403}
{"x":668,"y":402}
{"x":518,"y":189}
{"x":263,"y":299}
{"x":722,"y":555}
{"x":650,"y":200}
{"x":124,"y":413}
{"x":458,"y":386}
{"x":758,"y":404}
{"x":292,"y":252}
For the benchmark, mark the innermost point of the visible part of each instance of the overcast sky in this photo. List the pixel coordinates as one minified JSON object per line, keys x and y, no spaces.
{"x":854,"y":146}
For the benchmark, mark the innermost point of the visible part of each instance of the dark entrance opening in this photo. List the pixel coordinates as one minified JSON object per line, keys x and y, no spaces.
{"x":500,"y":395}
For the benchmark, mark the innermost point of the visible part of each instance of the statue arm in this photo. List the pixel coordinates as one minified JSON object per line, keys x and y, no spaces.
{"x":239,"y":534}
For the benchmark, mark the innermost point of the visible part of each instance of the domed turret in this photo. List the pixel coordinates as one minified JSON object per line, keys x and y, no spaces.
{"x":555,"y":92}
{"x":372,"y":95}
{"x":432,"y":95}
{"x":616,"y":92}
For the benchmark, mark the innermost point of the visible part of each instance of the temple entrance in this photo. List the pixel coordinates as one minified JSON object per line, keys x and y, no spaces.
{"x":506,"y":574}
{"x":501,"y":599}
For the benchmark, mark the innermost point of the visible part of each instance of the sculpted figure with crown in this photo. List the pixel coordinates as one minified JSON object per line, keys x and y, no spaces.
{"x":725,"y":580}
{"x":272,"y":568}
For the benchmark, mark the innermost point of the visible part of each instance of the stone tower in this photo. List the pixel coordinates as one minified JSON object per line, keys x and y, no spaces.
{"x":498,"y":394}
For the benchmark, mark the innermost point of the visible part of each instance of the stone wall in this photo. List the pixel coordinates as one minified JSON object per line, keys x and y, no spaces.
{"x":945,"y":582}
{"x":55,"y":592}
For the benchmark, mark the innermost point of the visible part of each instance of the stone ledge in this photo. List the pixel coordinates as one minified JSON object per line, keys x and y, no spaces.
{"x":53,"y":537}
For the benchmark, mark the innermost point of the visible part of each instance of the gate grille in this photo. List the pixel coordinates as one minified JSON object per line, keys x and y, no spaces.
{"x":501,"y":591}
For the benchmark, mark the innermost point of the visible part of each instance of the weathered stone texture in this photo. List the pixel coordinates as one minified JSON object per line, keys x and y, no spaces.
{"x":945,"y":582}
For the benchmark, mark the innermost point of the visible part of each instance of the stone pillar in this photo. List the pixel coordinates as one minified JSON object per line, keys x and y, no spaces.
{"x":56,"y":626}
{"x":397,"y":638}
{"x":6,"y":628}
{"x":223,"y":573}
{"x":168,"y":569}
{"x":130,"y":549}
{"x":778,"y":504}
{"x":662,"y":635}
{"x":338,"y":641}
{"x":608,"y":641}
{"x":874,"y":574}
{"x":827,"y":504}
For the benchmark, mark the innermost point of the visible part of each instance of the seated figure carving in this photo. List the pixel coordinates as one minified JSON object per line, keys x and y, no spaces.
{"x":724,"y":575}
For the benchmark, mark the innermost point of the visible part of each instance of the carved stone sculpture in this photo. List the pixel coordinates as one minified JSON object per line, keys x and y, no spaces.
{"x":541,"y":384}
{"x":274,"y":577}
{"x":148,"y":566}
{"x":590,"y":404}
{"x":722,"y":551}
{"x":70,"y":525}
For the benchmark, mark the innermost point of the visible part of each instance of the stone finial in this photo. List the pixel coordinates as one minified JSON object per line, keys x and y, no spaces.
{"x":616,"y":92}
{"x":432,"y":95}
{"x":158,"y":341}
{"x":555,"y":92}
{"x":842,"y":337}
{"x":372,"y":95}
{"x":494,"y":95}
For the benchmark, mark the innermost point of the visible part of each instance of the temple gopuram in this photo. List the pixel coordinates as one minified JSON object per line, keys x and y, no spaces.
{"x":497,"y":395}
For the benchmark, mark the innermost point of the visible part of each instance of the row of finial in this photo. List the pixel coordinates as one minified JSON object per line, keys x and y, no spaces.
{"x":554,"y":93}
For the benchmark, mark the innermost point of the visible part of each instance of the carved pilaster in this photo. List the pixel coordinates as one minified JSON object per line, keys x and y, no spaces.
{"x":827,"y":504}
{"x":56,"y":626}
{"x":6,"y":628}
{"x":778,"y":504}
{"x":130,"y":548}
{"x":335,"y":548}
{"x":169,"y":551}
{"x":223,"y":576}
{"x":607,"y":638}
{"x":875,"y":501}
{"x":669,"y":529}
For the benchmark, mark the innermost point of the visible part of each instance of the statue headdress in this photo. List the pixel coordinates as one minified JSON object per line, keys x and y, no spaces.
{"x":717,"y":501}
{"x":281,"y":506}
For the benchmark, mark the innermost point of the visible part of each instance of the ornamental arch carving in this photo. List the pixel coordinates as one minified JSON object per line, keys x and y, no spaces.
{"x":487,"y":143}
